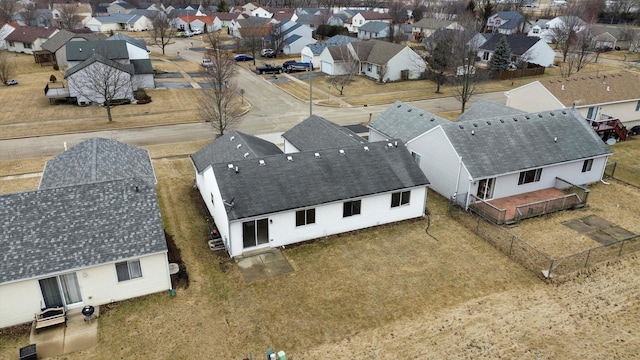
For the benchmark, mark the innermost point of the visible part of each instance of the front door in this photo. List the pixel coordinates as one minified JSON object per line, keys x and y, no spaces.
{"x":485,"y":188}
{"x":255,"y":232}
{"x":62,"y":290}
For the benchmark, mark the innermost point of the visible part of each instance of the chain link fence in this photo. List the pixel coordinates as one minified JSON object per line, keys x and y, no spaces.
{"x":625,"y":173}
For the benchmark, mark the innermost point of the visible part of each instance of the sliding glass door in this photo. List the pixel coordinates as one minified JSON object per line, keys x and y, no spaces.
{"x":255,"y":232}
{"x":62,"y":290}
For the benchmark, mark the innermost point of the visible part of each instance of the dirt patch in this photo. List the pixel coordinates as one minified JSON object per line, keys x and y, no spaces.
{"x":179,"y":280}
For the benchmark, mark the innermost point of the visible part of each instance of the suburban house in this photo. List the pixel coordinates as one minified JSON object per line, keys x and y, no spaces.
{"x":252,"y":27}
{"x":91,"y":234}
{"x":609,"y":37}
{"x":379,"y":60}
{"x":61,"y":12}
{"x":525,"y":50}
{"x":28,"y":39}
{"x":56,"y":44}
{"x":317,"y":133}
{"x":547,"y":29}
{"x":5,"y":30}
{"x":374,"y":30}
{"x":120,"y":7}
{"x":119,"y":22}
{"x":136,"y":48}
{"x":536,"y":151}
{"x":204,"y":23}
{"x":506,"y":22}
{"x":304,"y":195}
{"x":425,"y":27}
{"x":364,"y":17}
{"x":595,"y":97}
{"x":281,"y":14}
{"x":294,"y":36}
{"x":225,"y":18}
{"x":311,"y":52}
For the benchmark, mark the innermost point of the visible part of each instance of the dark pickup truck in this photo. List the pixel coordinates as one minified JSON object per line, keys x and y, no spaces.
{"x":292,"y":65}
{"x":269,"y":69}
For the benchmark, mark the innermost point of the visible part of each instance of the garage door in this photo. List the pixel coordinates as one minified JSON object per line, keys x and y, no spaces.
{"x":307,"y":58}
{"x":94,"y":28}
{"x":326,"y":68}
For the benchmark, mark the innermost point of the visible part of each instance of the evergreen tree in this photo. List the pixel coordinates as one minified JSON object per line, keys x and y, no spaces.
{"x":501,"y":58}
{"x":438,"y":61}
{"x":223,"y":6}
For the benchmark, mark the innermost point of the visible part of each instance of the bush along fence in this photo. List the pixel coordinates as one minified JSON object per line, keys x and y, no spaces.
{"x":625,"y":173}
{"x":540,"y":263}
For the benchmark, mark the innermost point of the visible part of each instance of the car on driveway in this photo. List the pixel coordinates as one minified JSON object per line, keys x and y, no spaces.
{"x":11,"y":82}
{"x":196,"y":32}
{"x":269,"y":69}
{"x":243,"y":57}
{"x":268,"y":53}
{"x":292,"y":66}
{"x":206,"y":62}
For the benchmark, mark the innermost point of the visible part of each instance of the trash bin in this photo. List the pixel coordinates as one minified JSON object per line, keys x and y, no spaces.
{"x":271,"y":355}
{"x":28,"y":352}
{"x":282,"y":355}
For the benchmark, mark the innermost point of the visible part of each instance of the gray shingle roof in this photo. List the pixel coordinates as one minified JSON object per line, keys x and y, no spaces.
{"x":118,"y":19}
{"x":230,"y":147}
{"x":292,"y":181}
{"x":405,"y":122}
{"x":317,"y":133}
{"x":97,"y":160}
{"x":82,"y":50}
{"x":518,"y":43}
{"x":137,"y":42}
{"x":53,"y":230}
{"x":128,"y":68}
{"x":374,"y":26}
{"x":142,"y":66}
{"x":506,"y":144}
{"x":483,"y":109}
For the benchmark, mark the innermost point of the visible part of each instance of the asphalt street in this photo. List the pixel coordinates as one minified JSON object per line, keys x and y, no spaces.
{"x":273,"y":111}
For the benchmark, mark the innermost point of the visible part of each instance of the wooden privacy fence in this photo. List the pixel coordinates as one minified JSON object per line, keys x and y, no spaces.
{"x":518,"y":73}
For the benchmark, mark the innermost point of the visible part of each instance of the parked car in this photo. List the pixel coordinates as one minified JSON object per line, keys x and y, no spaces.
{"x":196,"y":32}
{"x":11,"y":82}
{"x":269,"y":69}
{"x":243,"y":57}
{"x":206,"y":62}
{"x":292,"y":65}
{"x":635,"y":130}
{"x":269,"y":53}
{"x":180,"y":34}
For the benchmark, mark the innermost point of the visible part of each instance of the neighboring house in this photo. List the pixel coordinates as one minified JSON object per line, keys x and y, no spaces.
{"x":119,"y":22}
{"x":295,"y":43}
{"x":317,"y":133}
{"x":311,"y":52}
{"x":246,"y":184}
{"x":547,"y":30}
{"x":28,"y":39}
{"x":204,"y":23}
{"x":136,"y":48}
{"x":506,"y":22}
{"x":81,"y":87}
{"x":609,"y":36}
{"x":225,"y":18}
{"x":596,"y":97}
{"x":91,"y":234}
{"x":253,"y":27}
{"x":80,"y":11}
{"x":379,"y":60}
{"x":120,"y":7}
{"x":281,"y":14}
{"x":524,"y":50}
{"x":425,"y":27}
{"x":5,"y":30}
{"x":77,"y":52}
{"x":364,"y":17}
{"x":449,"y":35}
{"x":374,"y":30}
{"x":295,"y":36}
{"x":56,"y":44}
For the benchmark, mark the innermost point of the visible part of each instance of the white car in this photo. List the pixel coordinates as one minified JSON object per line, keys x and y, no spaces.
{"x":206,"y":63}
{"x":196,"y":32}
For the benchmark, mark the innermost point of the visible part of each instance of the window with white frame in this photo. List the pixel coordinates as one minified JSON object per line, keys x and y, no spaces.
{"x":536,"y":31}
{"x":586,"y":165}
{"x":416,"y":157}
{"x":368,"y":67}
{"x":400,"y":198}
{"x":11,"y":44}
{"x":485,"y":55}
{"x":128,"y":270}
{"x":26,"y":45}
{"x":305,"y":217}
{"x":350,"y":208}
{"x":530,"y":176}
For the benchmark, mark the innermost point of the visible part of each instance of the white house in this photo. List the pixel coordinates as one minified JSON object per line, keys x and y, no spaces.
{"x":119,"y":22}
{"x":425,"y":27}
{"x":5,"y":30}
{"x":136,"y":48}
{"x":81,"y":87}
{"x":204,"y":23}
{"x":464,"y":159}
{"x":506,"y":22}
{"x":363,"y":17}
{"x":246,"y":184}
{"x":311,"y":52}
{"x":596,"y":97}
{"x":524,"y":49}
{"x":28,"y":39}
{"x":373,"y":30}
{"x":57,"y":255}
{"x":379,"y":60}
{"x":295,"y":36}
{"x":548,"y":30}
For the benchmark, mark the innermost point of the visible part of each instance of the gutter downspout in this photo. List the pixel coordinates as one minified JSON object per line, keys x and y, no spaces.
{"x":455,"y":191}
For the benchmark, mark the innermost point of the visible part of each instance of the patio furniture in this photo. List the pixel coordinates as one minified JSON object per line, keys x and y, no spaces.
{"x":51,"y":317}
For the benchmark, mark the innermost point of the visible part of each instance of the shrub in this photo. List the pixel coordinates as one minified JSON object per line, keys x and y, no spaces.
{"x":52,"y":78}
{"x":142,"y":97}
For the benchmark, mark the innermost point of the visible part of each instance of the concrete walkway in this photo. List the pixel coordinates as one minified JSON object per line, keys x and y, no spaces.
{"x":264,"y":265}
{"x":184,"y":74}
{"x":58,"y":340}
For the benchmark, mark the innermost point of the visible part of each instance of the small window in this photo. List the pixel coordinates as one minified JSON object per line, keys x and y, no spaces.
{"x":529,"y":176}
{"x":27,"y":45}
{"x":536,"y":31}
{"x":305,"y":217}
{"x":368,"y":67}
{"x":400,"y":198}
{"x":351,"y":208}
{"x":128,"y":270}
{"x":586,"y":165}
{"x":11,"y":44}
{"x":485,"y":55}
{"x":638,"y":106}
{"x":416,"y":157}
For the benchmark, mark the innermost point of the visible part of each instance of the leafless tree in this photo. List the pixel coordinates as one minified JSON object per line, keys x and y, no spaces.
{"x":350,"y":67}
{"x":253,"y":31}
{"x":29,"y":15}
{"x":277,"y":37}
{"x":104,"y":82}
{"x":564,"y":34}
{"x":162,"y":32}
{"x":465,"y":50}
{"x":69,"y":18}
{"x":219,"y":101}
{"x":7,"y":9}
{"x":7,"y":67}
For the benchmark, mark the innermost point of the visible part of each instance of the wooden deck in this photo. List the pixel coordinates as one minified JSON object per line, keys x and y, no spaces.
{"x":510,"y":203}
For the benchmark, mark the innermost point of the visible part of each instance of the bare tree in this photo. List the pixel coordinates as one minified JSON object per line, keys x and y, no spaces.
{"x":162,"y":32}
{"x":29,"y":15}
{"x":564,"y":34}
{"x":103,"y":82}
{"x":277,"y":37}
{"x":7,"y":9}
{"x":69,"y":18}
{"x":580,"y":55}
{"x":219,"y":101}
{"x":465,"y":50}
{"x":7,"y":67}
{"x":350,"y":67}
{"x":253,"y":31}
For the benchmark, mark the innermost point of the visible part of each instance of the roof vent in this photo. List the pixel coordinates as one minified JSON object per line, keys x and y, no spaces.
{"x":246,"y":155}
{"x":409,"y":110}
{"x":562,"y":87}
{"x":137,"y":189}
{"x":230,"y":166}
{"x":237,"y":170}
{"x":421,"y":114}
{"x":289,"y":158}
{"x":366,"y":148}
{"x":238,"y":146}
{"x":475,"y":125}
{"x":461,"y":127}
{"x":607,"y":88}
{"x":552,"y":114}
{"x":317,"y":155}
{"x":473,"y":132}
{"x":555,"y":139}
{"x":539,"y":115}
{"x":231,"y":138}
{"x":526,"y":117}
{"x":389,"y":144}
{"x":488,"y":122}
{"x":433,"y":119}
{"x":502,"y":121}
{"x":341,"y":152}
{"x":262,"y":163}
{"x":564,"y":112}
{"x":399,"y":105}
{"x":80,"y":49}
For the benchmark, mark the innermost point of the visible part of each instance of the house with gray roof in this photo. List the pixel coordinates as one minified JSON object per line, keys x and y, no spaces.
{"x":484,"y":108}
{"x":56,"y":44}
{"x":489,"y":158}
{"x":507,"y":22}
{"x":311,"y":52}
{"x":317,"y":133}
{"x":28,"y":39}
{"x":119,"y":22}
{"x":374,"y":30}
{"x":89,"y":237}
{"x":524,"y":50}
{"x":261,"y":199}
{"x":136,"y":48}
{"x":380,"y":60}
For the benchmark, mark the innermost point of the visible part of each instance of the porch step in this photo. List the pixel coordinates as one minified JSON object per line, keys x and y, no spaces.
{"x":216,"y":244}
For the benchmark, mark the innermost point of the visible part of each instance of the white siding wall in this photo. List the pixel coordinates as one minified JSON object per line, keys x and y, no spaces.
{"x":136,"y":53}
{"x":143,"y":81}
{"x":19,"y":302}
{"x":208,"y":185}
{"x":532,"y":97}
{"x":85,"y":94}
{"x":376,"y":136}
{"x":289,"y":148}
{"x":540,"y":53}
{"x":625,"y":111}
{"x":375,"y":210}
{"x":306,"y":55}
